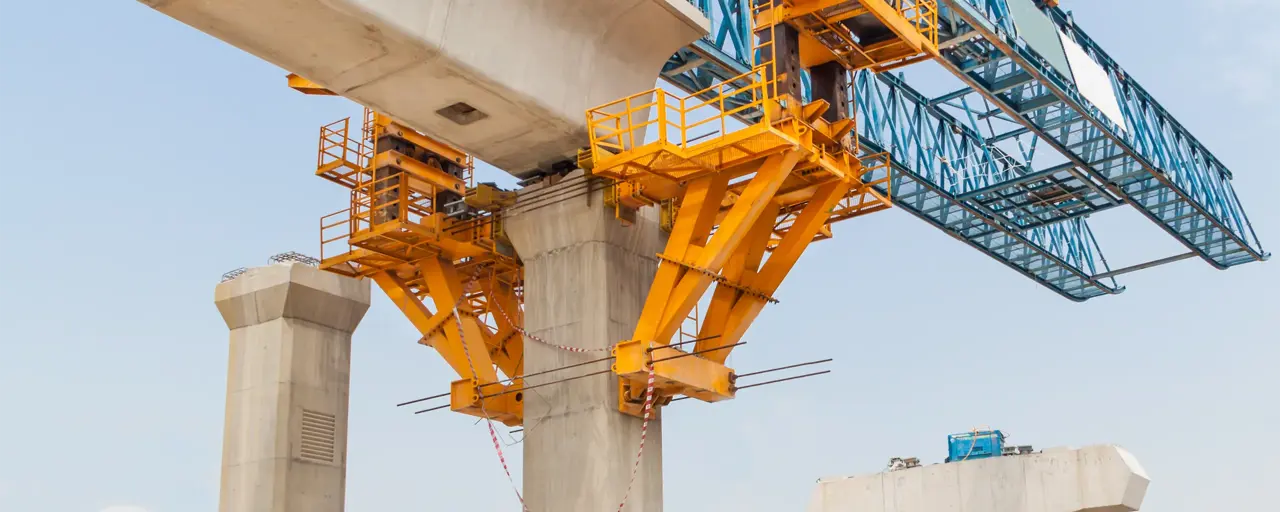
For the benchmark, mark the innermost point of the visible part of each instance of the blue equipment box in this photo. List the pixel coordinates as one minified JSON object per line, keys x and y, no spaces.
{"x":978,"y":444}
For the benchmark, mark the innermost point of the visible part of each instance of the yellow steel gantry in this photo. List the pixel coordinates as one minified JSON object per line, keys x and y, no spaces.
{"x":433,"y":242}
{"x":732,"y":195}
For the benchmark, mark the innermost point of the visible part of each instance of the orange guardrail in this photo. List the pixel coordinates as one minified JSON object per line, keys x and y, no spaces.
{"x":661,"y":120}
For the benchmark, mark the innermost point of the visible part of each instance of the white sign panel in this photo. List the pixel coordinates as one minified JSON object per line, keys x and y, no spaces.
{"x":1093,"y":81}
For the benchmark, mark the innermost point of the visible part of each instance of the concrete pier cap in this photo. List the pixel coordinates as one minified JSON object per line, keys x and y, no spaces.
{"x":508,"y":81}
{"x":1101,"y":478}
{"x":293,"y":290}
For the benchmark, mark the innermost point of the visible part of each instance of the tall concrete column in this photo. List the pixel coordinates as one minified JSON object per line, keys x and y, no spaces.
{"x":586,"y":277}
{"x":284,"y":446}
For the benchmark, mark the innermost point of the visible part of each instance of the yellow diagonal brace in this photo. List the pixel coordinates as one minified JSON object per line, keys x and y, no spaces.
{"x":693,"y":224}
{"x":420,"y":316}
{"x":745,"y":262}
{"x":733,"y":229}
{"x":446,"y":290}
{"x":506,"y":346}
{"x":781,"y":261}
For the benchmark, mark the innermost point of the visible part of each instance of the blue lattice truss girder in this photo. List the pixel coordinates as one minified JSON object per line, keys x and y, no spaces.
{"x":924,"y":143}
{"x":954,"y":167}
{"x":1155,"y":164}
{"x":1062,"y":257}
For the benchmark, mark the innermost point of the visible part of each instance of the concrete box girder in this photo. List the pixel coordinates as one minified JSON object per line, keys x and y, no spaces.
{"x":531,"y":68}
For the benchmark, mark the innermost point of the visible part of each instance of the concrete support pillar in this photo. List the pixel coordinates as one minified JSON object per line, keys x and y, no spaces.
{"x":586,"y":277}
{"x":284,"y":446}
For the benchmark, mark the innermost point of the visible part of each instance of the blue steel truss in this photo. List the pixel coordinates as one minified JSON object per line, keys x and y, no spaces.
{"x":925,"y":143}
{"x":1155,"y":164}
{"x":953,"y":160}
{"x":722,"y":55}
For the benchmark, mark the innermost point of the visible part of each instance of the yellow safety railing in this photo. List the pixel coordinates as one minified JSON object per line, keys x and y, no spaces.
{"x":657,"y":117}
{"x":333,"y":142}
{"x":922,"y":14}
{"x":469,"y":172}
{"x":664,"y":128}
{"x":336,"y":145}
{"x":390,"y":199}
{"x":367,"y":128}
{"x":335,"y":233}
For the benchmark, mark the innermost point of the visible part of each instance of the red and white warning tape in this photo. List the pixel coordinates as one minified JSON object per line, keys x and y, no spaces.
{"x":529,"y":335}
{"x":644,"y":431}
{"x":493,"y":434}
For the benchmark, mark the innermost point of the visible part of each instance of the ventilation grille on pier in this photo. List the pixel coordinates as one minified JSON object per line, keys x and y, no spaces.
{"x":319,"y":431}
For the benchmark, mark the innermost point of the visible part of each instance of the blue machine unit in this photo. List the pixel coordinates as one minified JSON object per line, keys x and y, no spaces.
{"x":977,"y":444}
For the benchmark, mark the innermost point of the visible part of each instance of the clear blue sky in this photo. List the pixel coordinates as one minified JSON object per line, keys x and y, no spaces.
{"x":141,"y":159}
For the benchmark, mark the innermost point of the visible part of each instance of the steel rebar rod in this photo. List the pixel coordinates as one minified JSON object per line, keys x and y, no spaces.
{"x":527,"y":375}
{"x":432,"y":409}
{"x":828,"y":360}
{"x":432,"y":397}
{"x":784,"y":379}
{"x":508,"y":391}
{"x":775,"y":381}
{"x":686,"y":342}
{"x":703,"y":351}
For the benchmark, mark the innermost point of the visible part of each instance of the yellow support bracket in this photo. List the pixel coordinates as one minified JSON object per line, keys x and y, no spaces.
{"x":740,"y":204}
{"x":732,"y":311}
{"x":448,"y":274}
{"x":473,"y":351}
{"x":852,"y":31}
{"x":675,"y":372}
{"x":305,"y":86}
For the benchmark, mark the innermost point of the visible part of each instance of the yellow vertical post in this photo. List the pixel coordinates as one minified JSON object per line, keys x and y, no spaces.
{"x":662,"y":117}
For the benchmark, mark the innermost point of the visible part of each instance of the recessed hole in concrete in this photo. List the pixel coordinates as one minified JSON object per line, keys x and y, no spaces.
{"x":462,"y":113}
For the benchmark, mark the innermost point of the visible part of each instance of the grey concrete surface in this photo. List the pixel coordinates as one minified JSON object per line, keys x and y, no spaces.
{"x":288,"y":378}
{"x":531,"y":68}
{"x":1102,"y":478}
{"x":586,"y":277}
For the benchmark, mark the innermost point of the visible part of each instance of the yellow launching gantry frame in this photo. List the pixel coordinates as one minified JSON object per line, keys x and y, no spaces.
{"x":432,"y":240}
{"x":730,"y":195}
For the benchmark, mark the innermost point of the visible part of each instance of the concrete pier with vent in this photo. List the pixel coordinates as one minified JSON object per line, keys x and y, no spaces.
{"x":288,"y":378}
